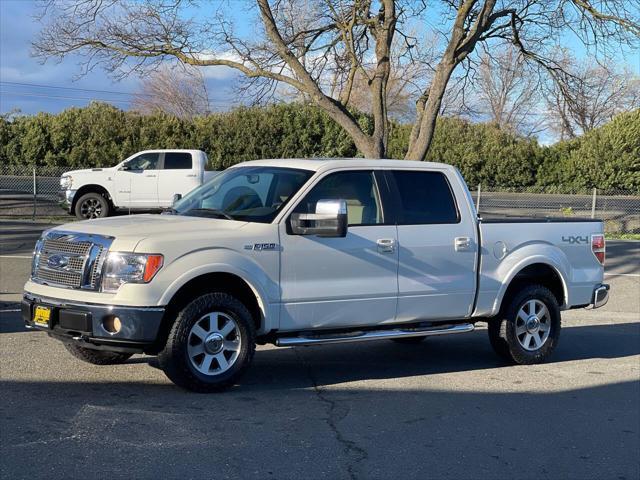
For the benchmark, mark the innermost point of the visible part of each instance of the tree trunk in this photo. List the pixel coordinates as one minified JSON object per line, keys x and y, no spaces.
{"x":423,"y":131}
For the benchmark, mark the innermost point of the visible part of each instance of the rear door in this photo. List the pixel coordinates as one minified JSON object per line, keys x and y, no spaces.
{"x":178,"y":174}
{"x":136,"y":181}
{"x":437,"y":247}
{"x":341,"y":282}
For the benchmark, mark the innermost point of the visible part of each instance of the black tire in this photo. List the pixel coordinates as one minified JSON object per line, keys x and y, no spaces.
{"x":174,"y":358}
{"x":97,"y":357}
{"x":497,"y":333}
{"x":92,"y":205}
{"x":409,"y":340}
{"x":507,"y":337}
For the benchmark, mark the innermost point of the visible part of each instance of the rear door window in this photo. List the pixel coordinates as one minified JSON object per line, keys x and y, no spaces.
{"x":425,"y":198}
{"x":177,"y":161}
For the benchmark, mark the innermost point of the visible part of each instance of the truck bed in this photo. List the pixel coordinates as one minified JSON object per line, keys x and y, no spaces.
{"x":510,"y":244}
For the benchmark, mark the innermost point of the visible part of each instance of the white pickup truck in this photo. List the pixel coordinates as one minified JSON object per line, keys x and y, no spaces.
{"x":147,"y":180}
{"x":301,"y":252}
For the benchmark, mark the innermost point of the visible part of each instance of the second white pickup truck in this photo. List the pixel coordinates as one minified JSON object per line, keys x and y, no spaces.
{"x":302,"y":252}
{"x":147,"y":180}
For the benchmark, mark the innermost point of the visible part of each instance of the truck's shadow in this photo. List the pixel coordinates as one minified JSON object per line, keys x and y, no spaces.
{"x":300,"y":367}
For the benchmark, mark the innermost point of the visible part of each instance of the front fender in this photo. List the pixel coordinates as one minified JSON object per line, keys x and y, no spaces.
{"x":534,"y":253}
{"x":219,"y":260}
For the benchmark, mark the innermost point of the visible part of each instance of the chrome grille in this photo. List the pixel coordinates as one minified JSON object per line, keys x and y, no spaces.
{"x":70,"y":260}
{"x":66,"y":279}
{"x":65,"y":246}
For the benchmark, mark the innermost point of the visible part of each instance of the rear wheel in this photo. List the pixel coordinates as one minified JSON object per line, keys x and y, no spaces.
{"x":210,"y":345}
{"x":529,"y":329}
{"x":96,"y":357}
{"x":92,"y":205}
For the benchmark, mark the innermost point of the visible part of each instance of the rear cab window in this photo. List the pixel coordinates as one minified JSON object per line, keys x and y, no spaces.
{"x":423,"y":197}
{"x":177,"y":161}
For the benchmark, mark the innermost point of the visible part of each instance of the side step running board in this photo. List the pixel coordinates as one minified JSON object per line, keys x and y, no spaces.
{"x":363,"y":336}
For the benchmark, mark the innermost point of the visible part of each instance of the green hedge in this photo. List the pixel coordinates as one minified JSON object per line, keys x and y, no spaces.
{"x":102,"y":135}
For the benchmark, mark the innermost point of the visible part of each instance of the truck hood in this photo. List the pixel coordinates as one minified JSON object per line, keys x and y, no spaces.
{"x":87,"y":171}
{"x":129,"y":230}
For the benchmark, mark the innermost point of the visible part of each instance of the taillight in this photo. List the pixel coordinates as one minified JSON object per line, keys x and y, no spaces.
{"x":598,"y":247}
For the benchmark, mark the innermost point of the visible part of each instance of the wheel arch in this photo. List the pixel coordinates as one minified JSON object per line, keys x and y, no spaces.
{"x":91,"y":188}
{"x":534,"y":271}
{"x":191,"y":286}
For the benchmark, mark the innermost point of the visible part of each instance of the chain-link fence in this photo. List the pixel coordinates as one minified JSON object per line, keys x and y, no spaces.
{"x":620,"y":209}
{"x":30,"y":192}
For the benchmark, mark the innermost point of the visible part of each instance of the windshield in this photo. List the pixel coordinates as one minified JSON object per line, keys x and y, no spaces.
{"x":252,"y":194}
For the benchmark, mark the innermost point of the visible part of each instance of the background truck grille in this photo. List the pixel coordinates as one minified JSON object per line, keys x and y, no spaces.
{"x":70,"y":260}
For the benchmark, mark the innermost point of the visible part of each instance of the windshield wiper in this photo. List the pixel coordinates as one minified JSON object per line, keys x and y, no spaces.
{"x":212,"y":211}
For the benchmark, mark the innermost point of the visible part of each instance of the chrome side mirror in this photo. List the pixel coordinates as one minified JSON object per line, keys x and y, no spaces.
{"x":330,"y":220}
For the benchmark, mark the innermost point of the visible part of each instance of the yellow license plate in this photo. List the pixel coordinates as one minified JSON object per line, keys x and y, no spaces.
{"x":41,"y":316}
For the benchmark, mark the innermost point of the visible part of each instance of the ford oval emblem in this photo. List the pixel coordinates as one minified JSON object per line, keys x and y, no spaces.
{"x":58,"y":261}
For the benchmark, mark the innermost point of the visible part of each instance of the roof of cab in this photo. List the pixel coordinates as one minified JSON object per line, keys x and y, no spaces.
{"x":317,"y":164}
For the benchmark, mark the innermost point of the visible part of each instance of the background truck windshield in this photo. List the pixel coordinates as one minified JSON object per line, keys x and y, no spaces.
{"x":253,"y":194}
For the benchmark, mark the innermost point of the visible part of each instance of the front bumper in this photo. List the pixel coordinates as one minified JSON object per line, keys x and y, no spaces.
{"x":65,"y":199}
{"x":84,"y":323}
{"x":600,"y":296}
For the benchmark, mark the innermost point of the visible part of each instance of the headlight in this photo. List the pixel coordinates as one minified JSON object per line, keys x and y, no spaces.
{"x":66,"y":181}
{"x":121,"y":268}
{"x":36,"y":254}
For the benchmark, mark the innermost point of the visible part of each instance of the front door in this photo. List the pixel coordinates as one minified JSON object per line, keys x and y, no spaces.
{"x":341,"y":282}
{"x":136,"y":182}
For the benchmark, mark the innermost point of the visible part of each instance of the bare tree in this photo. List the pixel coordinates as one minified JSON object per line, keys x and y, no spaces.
{"x":175,"y":91}
{"x":304,"y":43}
{"x":601,"y":92}
{"x":508,"y":91}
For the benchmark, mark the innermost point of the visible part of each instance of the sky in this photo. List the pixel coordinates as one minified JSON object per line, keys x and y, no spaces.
{"x":29,"y":86}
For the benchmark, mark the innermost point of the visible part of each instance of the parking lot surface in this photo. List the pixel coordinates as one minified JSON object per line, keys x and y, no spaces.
{"x":448,"y":408}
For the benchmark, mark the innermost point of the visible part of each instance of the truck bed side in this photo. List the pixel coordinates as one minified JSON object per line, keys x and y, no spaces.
{"x":563,"y":246}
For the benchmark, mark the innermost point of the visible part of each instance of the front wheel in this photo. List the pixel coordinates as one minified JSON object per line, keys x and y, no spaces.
{"x":528,"y":330}
{"x":210,"y":345}
{"x":92,"y":205}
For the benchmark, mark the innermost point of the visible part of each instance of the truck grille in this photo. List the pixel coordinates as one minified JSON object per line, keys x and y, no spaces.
{"x":70,"y":260}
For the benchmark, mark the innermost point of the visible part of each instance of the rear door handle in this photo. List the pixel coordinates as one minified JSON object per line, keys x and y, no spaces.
{"x":150,"y":176}
{"x":462,"y":244}
{"x":386,"y":245}
{"x":193,"y":175}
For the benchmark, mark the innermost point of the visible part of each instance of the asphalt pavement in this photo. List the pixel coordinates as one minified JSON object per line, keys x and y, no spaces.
{"x":448,"y":408}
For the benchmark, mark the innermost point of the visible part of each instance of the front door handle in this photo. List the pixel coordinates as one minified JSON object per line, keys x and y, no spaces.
{"x":150,"y":176}
{"x":462,"y":244}
{"x":386,"y":245}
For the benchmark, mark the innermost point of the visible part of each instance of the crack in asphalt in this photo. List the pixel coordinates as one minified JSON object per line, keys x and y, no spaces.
{"x":351,"y":449}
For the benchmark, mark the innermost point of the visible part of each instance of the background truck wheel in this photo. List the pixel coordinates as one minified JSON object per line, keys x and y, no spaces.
{"x":210,"y":345}
{"x":409,"y":340}
{"x":97,"y":357}
{"x":528,"y":329}
{"x":92,"y":205}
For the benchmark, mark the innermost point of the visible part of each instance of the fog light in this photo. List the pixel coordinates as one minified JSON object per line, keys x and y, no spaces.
{"x":112,"y":324}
